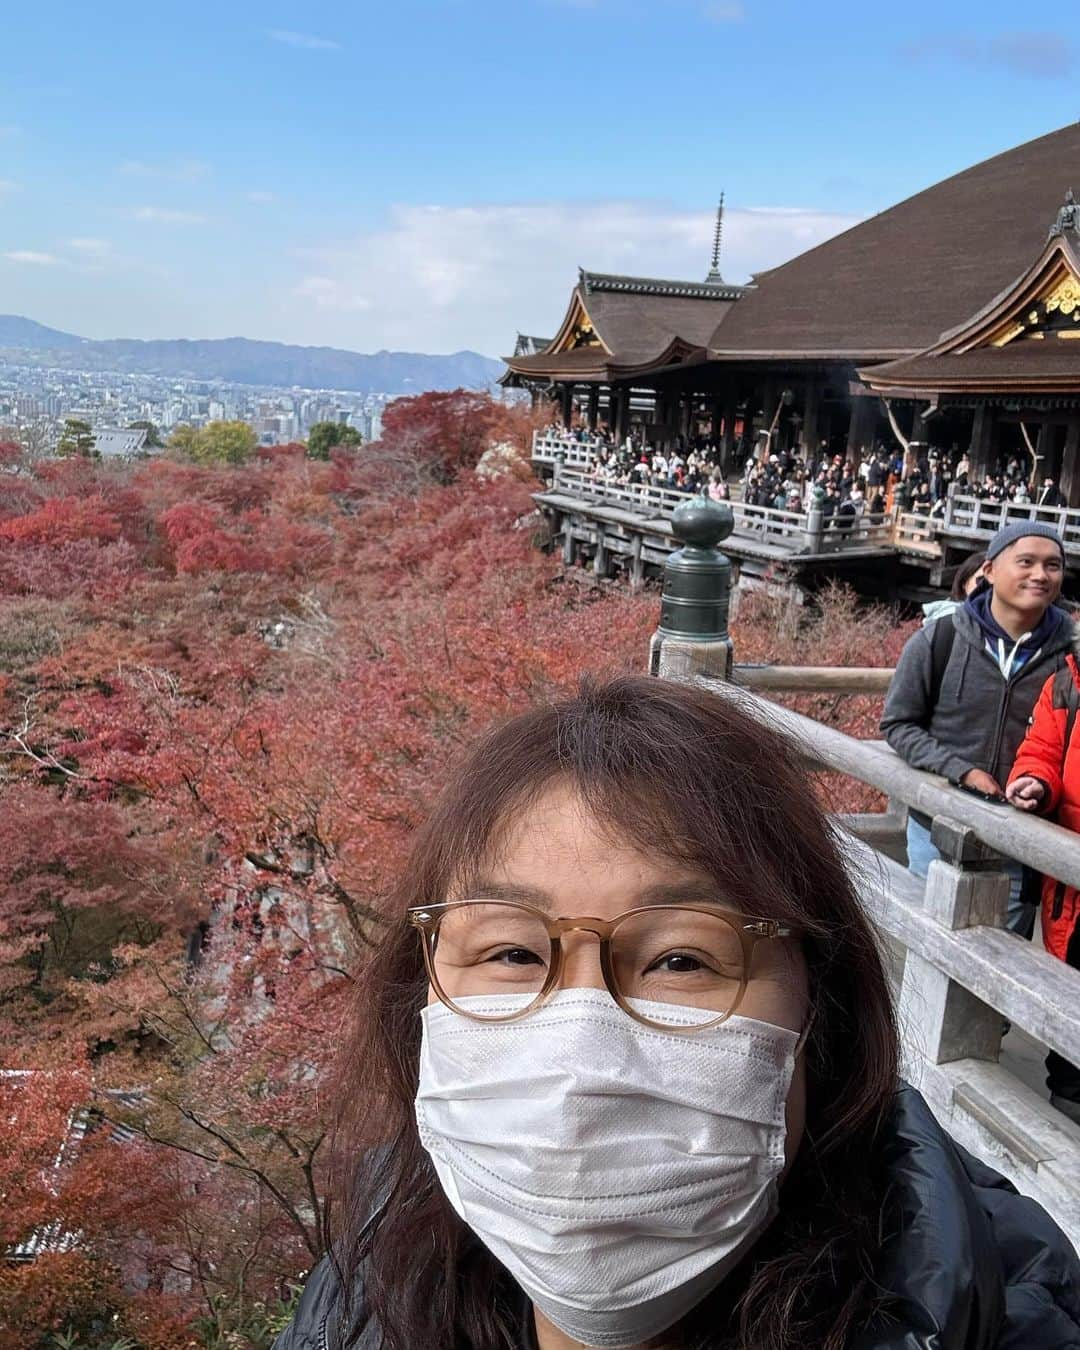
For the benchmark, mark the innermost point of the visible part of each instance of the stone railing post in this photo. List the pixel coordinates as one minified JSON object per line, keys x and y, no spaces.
{"x":950,"y":503}
{"x":693,"y":637}
{"x":940,"y":1020}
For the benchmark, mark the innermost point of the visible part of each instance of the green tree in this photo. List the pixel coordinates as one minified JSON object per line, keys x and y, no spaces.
{"x":77,"y":438}
{"x":326,"y":436}
{"x":153,"y":435}
{"x":216,"y":443}
{"x":183,"y":439}
{"x":225,"y":443}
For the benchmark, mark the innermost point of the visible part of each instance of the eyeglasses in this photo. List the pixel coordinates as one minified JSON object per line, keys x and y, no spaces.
{"x":697,"y":956}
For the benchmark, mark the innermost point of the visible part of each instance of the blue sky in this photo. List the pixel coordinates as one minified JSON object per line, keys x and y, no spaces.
{"x":428,"y":174}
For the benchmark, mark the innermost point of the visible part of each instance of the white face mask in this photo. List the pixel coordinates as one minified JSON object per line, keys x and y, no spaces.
{"x":617,"y":1171}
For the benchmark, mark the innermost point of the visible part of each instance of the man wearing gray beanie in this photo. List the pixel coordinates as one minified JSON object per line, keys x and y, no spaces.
{"x":965,"y":687}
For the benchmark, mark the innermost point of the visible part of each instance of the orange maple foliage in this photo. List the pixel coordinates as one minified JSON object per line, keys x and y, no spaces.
{"x":228,"y":696}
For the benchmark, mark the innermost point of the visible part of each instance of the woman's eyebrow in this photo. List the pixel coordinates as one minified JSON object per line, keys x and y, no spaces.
{"x":485,"y":889}
{"x":675,"y":892}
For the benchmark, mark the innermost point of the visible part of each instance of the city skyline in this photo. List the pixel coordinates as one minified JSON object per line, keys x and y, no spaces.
{"x":427,"y":177}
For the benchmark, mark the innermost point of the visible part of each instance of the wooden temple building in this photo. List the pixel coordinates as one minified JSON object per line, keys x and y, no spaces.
{"x":951,"y":320}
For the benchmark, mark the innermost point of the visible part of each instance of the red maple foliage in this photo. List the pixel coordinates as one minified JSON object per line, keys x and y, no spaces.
{"x":227,"y":695}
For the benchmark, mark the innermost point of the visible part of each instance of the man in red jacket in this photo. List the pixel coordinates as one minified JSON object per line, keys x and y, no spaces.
{"x":1045,"y":777}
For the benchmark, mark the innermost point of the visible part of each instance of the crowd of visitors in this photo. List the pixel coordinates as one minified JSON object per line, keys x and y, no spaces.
{"x":872,"y":483}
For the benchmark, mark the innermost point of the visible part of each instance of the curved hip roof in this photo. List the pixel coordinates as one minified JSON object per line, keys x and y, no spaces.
{"x":890,"y":286}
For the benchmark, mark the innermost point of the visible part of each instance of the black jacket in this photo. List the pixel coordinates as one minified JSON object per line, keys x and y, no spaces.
{"x":970,"y":1264}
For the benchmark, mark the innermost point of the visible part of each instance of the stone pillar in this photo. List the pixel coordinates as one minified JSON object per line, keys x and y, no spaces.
{"x":592,"y":409}
{"x":600,"y":557}
{"x":982,"y":438}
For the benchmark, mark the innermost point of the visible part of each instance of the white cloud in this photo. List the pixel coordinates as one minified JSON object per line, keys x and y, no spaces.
{"x":327,"y":293}
{"x":262,"y":198}
{"x":91,"y":247}
{"x":442,"y":278}
{"x":176,"y":171}
{"x":724,"y":11}
{"x":165,"y":215}
{"x":32,"y":256}
{"x":305,"y":40}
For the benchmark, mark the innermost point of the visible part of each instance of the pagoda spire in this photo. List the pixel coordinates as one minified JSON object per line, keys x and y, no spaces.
{"x":718,"y":236}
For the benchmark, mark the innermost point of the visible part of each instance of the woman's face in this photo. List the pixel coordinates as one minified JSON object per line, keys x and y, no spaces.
{"x":568,"y":863}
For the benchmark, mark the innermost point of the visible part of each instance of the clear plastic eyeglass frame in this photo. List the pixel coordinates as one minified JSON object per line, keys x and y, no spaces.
{"x":749,"y":931}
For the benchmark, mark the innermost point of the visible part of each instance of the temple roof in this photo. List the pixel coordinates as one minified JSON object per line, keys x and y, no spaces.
{"x":891,"y":285}
{"x":1024,"y":338}
{"x":616,"y":327}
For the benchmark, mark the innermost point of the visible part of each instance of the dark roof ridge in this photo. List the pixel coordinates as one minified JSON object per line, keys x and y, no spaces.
{"x":693,"y":290}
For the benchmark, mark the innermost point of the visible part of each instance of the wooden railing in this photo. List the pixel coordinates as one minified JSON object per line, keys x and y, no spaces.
{"x":982,"y":519}
{"x":550,"y":448}
{"x":792,"y":531}
{"x":964,"y":976}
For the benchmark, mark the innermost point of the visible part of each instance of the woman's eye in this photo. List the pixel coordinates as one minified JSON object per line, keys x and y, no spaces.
{"x":677,"y":963}
{"x":517,"y":956}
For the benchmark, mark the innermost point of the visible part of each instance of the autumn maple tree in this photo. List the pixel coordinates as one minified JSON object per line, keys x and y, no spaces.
{"x":228,"y":692}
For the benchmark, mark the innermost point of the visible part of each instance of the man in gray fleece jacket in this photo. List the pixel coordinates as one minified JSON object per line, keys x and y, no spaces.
{"x":959,"y":703}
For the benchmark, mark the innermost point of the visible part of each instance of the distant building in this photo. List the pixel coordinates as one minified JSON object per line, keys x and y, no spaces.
{"x":113,"y":443}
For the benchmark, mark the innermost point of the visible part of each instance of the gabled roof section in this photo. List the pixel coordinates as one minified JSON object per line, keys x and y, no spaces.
{"x":889,"y":286}
{"x":1027,"y":338}
{"x":616,"y":327}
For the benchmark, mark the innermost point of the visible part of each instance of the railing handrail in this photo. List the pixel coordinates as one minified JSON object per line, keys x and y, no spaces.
{"x":968,"y":512}
{"x":1046,"y":847}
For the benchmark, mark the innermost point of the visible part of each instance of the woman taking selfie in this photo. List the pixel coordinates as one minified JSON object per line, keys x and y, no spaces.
{"x":625,"y":1071}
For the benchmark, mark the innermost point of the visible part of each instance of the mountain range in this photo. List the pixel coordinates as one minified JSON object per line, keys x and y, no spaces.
{"x":245,"y":361}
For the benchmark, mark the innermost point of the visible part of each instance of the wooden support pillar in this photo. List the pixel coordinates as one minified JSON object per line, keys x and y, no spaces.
{"x":731,"y":413}
{"x":621,"y":417}
{"x":637,"y":563}
{"x":982,"y":436}
{"x":592,"y":408}
{"x":1070,"y":463}
{"x":769,"y":404}
{"x":566,"y":396}
{"x":716,"y":417}
{"x":686,"y":410}
{"x":861,"y":428}
{"x":568,"y":549}
{"x":811,"y":406}
{"x":918,"y":445}
{"x":600,"y":557}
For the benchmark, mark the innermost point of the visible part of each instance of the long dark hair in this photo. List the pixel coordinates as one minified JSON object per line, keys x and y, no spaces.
{"x":705,"y":784}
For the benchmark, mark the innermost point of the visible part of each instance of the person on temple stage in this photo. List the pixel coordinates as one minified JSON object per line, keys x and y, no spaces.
{"x":622,"y":1071}
{"x":965,"y":686}
{"x":1050,"y":494}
